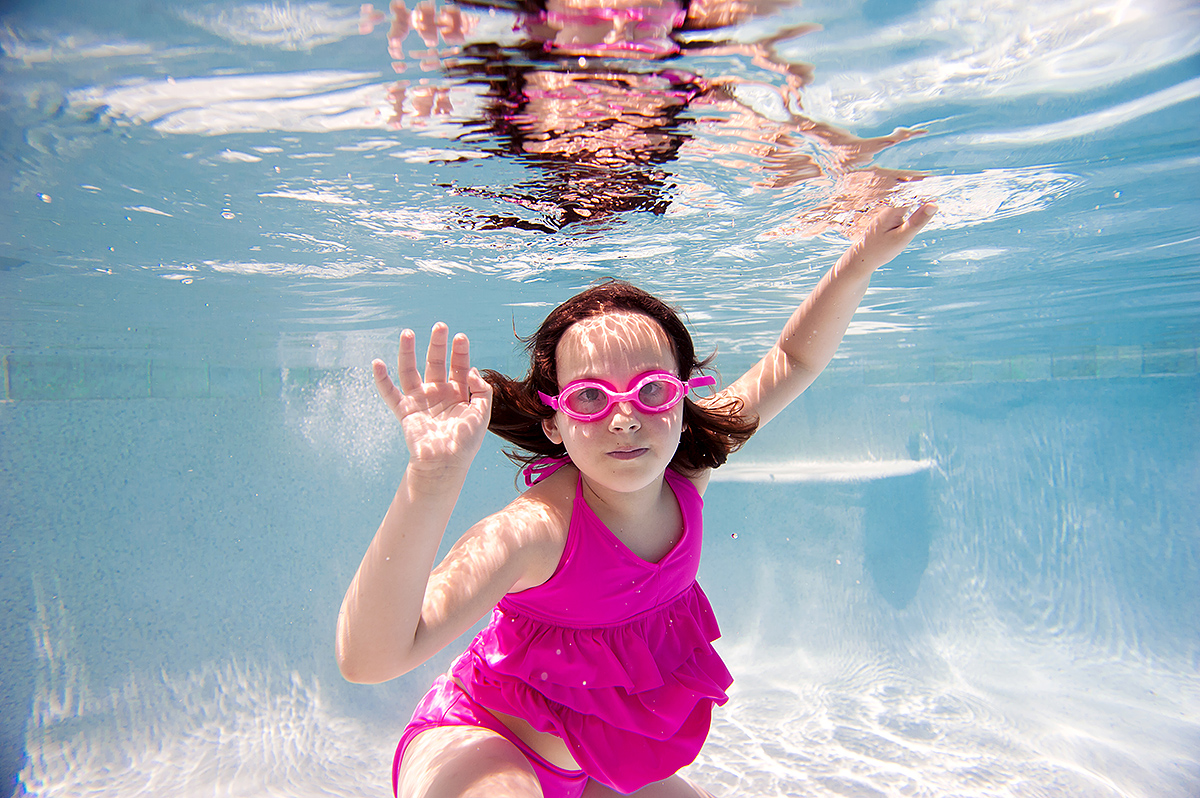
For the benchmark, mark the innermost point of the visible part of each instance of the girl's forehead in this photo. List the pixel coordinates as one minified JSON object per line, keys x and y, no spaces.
{"x":614,"y":342}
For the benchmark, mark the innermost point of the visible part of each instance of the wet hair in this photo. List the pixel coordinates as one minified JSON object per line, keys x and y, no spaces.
{"x":710,"y":433}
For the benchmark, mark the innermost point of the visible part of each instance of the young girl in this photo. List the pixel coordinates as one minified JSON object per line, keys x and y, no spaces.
{"x":596,"y":674}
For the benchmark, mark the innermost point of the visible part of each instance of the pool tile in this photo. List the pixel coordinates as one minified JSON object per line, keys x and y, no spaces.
{"x":271,"y":382}
{"x":992,"y":371}
{"x":1031,"y":367}
{"x":910,"y":371}
{"x":953,"y":371}
{"x":1169,"y":361}
{"x":229,"y":382}
{"x":60,"y":377}
{"x":1118,"y":361}
{"x":172,"y":381}
{"x":1076,"y":365}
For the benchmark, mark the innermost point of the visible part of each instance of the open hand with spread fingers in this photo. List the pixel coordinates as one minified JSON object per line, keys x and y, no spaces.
{"x":886,"y":237}
{"x":445,"y":413}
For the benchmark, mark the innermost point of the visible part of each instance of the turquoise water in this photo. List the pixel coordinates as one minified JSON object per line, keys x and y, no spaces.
{"x":964,"y":563}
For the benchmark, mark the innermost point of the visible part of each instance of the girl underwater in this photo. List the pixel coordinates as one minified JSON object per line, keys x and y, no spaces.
{"x":596,"y":675}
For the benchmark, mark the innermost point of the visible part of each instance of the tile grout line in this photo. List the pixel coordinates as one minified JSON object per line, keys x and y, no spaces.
{"x":1131,"y":362}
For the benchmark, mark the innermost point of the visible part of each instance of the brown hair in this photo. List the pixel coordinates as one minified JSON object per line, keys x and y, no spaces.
{"x":710,"y":434}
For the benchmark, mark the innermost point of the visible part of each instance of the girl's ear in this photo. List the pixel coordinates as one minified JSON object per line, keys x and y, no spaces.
{"x":550,"y":427}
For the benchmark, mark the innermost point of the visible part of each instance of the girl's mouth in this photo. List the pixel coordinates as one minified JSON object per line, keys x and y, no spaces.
{"x":627,"y":454}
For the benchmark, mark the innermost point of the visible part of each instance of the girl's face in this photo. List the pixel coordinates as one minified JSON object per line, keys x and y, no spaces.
{"x":627,"y":449}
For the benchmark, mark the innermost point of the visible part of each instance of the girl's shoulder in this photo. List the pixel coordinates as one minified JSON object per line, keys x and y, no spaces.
{"x":552,"y":495}
{"x":538,"y":520}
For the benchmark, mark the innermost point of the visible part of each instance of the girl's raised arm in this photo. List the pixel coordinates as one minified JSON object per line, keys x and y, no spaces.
{"x":385,"y":626}
{"x":813,"y":333}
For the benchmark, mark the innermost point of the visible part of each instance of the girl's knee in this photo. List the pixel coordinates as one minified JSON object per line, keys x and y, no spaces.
{"x":465,"y":762}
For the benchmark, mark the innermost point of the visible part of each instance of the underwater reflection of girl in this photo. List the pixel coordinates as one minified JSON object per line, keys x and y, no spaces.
{"x":599,"y":139}
{"x":589,"y":100}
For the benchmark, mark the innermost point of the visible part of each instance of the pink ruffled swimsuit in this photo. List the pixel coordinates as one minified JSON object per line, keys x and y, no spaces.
{"x":613,"y":653}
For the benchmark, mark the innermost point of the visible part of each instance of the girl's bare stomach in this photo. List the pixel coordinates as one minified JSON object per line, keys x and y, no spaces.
{"x":548,"y":746}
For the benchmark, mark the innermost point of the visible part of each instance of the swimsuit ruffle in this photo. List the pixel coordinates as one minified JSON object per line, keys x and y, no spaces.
{"x":645,"y":687}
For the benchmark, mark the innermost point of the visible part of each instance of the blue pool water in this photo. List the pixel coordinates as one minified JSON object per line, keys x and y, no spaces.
{"x":966,"y":562}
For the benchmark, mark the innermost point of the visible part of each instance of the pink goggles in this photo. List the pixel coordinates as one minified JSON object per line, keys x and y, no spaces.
{"x":652,"y":392}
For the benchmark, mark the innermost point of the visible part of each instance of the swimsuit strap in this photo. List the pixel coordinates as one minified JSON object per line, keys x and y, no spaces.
{"x":543,"y":467}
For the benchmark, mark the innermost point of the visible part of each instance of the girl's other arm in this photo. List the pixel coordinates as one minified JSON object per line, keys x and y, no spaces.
{"x":393,"y":617}
{"x":812,"y":335}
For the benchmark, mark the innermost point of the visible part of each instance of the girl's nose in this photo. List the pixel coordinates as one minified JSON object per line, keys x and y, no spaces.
{"x":623,"y":419}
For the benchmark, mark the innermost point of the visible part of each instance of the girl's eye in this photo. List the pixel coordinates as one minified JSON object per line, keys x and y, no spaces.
{"x":654,"y":394}
{"x":588,"y":400}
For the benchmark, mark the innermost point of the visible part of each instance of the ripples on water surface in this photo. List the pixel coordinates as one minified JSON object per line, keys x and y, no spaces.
{"x":210,"y":142}
{"x":230,"y":208}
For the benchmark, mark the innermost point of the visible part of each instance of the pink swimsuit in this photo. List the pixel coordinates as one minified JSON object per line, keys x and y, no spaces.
{"x":612,"y":654}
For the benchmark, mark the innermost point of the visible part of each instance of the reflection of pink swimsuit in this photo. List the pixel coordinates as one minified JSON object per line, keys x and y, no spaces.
{"x":612,"y":654}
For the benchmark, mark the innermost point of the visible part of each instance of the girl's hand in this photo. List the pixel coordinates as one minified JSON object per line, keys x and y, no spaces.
{"x":444,"y":415}
{"x":886,"y":237}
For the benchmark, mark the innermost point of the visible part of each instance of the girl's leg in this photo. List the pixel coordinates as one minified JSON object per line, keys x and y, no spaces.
{"x":675,"y":787}
{"x":465,"y":762}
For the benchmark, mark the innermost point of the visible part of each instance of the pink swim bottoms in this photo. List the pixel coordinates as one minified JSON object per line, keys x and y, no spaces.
{"x":447,"y":704}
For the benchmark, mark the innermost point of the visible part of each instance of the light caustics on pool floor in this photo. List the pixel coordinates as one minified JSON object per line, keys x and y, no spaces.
{"x":794,"y":727}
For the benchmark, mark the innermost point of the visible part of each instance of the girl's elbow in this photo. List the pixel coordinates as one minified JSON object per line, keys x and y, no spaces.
{"x":352,"y":667}
{"x":355,"y":677}
{"x":353,"y":671}
{"x":357,"y":671}
{"x":362,"y":667}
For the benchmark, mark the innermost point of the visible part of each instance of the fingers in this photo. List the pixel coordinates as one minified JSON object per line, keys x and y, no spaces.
{"x":447,"y":359}
{"x":909,"y":227}
{"x":887,"y":234}
{"x":921,"y":216}
{"x":407,"y":375}
{"x":444,"y":361}
{"x":892,"y":219}
{"x":383,"y":384}
{"x":888,"y":218}
{"x":435,"y":356}
{"x":460,"y":359}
